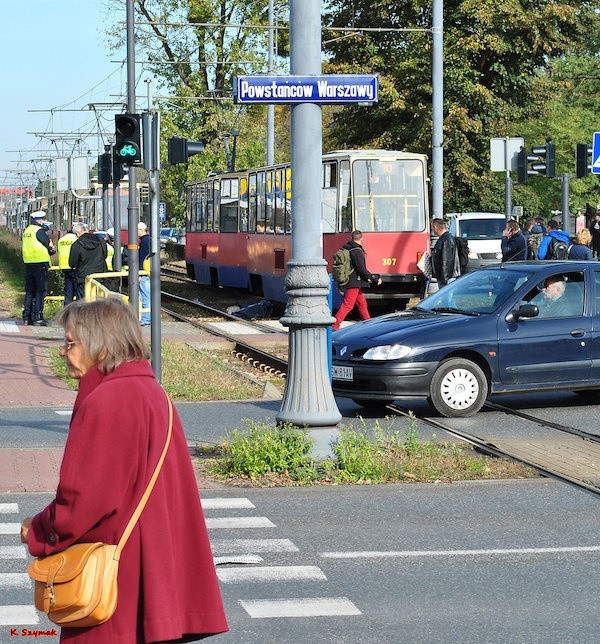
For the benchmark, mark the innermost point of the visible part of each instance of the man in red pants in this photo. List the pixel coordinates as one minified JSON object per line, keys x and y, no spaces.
{"x":353,"y":294}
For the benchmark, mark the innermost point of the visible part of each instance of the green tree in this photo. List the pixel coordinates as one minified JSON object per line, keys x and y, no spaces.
{"x":194,"y":48}
{"x":497,"y":63}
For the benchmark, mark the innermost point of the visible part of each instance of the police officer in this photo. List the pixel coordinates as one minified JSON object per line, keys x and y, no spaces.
{"x":37,"y":249}
{"x":63,"y":249}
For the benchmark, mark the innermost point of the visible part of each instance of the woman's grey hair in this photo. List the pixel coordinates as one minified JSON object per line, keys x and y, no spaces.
{"x":108,"y":330}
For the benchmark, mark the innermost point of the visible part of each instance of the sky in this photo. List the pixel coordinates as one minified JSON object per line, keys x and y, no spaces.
{"x":55,"y":59}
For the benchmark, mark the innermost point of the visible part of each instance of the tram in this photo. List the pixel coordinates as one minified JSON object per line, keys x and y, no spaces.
{"x":239,"y":224}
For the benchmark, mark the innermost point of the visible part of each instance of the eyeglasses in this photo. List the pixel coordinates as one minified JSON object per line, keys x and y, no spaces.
{"x":66,"y":347}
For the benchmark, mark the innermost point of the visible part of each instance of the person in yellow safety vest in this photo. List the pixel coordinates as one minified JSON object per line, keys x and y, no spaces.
{"x":37,"y":248}
{"x":63,"y":248}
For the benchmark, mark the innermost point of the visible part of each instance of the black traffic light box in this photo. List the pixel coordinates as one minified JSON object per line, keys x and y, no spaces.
{"x":542,"y":161}
{"x":105,"y":168}
{"x":179,"y":150}
{"x":582,"y":162}
{"x":547,"y":154}
{"x":128,"y":139}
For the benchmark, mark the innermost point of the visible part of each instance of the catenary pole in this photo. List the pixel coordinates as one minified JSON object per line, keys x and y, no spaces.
{"x":270,"y":107}
{"x":308,"y":398}
{"x":133,"y":206}
{"x":437,"y":64}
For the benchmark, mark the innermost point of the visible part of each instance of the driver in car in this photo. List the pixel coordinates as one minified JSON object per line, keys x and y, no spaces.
{"x":554,"y":303}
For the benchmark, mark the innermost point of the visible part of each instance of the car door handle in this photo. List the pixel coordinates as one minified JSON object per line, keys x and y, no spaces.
{"x":578,"y":333}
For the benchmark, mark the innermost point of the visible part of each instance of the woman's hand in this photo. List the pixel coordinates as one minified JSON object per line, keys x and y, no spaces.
{"x":25,"y":525}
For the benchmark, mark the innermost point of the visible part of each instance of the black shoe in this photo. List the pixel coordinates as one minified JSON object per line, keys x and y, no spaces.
{"x":27,"y":322}
{"x":40,"y":323}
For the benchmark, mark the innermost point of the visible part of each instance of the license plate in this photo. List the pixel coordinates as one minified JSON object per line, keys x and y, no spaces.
{"x":342,"y":373}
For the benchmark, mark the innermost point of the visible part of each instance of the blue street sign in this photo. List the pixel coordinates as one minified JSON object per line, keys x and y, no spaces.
{"x":325,"y":88}
{"x":596,"y":153}
{"x":162,"y":210}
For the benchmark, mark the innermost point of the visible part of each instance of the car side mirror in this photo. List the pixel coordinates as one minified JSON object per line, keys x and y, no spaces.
{"x":524,"y":311}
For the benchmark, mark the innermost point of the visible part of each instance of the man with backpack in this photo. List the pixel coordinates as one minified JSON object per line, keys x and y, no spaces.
{"x":350,"y":272}
{"x":555,"y":244}
{"x":448,"y":254}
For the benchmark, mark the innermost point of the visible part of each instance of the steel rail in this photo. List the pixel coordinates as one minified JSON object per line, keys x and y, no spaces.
{"x":490,"y":448}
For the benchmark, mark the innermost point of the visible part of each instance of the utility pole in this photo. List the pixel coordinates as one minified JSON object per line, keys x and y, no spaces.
{"x":133,"y":207}
{"x":270,"y":106}
{"x":437,"y":138}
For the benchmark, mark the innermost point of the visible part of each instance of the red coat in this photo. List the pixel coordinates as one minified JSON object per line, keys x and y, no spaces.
{"x":168,"y":588}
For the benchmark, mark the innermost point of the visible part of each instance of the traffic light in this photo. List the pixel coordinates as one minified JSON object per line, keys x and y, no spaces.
{"x":105,"y":168}
{"x":179,"y":150}
{"x":547,"y":154}
{"x":128,"y":147}
{"x":523,"y":160}
{"x":542,"y":161}
{"x":582,"y":165}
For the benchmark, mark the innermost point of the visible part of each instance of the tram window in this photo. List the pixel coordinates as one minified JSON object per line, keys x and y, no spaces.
{"x":389,"y":195}
{"x":210,"y":206}
{"x":345,"y":199}
{"x":329,"y":197}
{"x":279,"y":201}
{"x":243,"y":197}
{"x":229,"y":206}
{"x":216,"y":205}
{"x":261,"y":202}
{"x":288,"y":200}
{"x":252,"y":205}
{"x":270,"y":201}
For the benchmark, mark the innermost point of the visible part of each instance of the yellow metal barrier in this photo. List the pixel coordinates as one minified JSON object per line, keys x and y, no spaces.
{"x":94,"y":289}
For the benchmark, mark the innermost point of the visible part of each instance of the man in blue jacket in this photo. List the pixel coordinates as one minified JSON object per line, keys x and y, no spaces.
{"x":554,"y":236}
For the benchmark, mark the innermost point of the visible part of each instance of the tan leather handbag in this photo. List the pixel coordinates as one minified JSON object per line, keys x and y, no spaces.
{"x":78,"y":586}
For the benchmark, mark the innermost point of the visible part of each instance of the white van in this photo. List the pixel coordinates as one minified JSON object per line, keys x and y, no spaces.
{"x":483,"y":232}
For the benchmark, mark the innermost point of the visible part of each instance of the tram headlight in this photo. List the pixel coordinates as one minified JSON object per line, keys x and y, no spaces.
{"x":387,"y":352}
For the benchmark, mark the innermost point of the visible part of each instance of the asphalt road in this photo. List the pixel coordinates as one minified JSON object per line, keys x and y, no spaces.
{"x":513,"y":561}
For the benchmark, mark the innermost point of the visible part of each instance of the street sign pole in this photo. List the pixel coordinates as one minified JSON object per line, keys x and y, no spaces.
{"x":507,"y":183}
{"x":308,"y":399}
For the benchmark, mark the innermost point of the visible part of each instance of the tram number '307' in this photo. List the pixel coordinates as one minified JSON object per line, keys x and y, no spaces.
{"x":388,"y":261}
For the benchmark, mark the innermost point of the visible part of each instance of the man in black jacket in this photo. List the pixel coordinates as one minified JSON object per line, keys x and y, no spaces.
{"x":444,"y":260}
{"x":359,"y":276}
{"x":87,"y":256}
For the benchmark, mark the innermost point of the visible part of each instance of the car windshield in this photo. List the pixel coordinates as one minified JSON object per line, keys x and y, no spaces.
{"x":482,"y":291}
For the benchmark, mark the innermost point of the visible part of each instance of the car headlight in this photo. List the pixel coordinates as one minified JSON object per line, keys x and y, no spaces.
{"x":387,"y":352}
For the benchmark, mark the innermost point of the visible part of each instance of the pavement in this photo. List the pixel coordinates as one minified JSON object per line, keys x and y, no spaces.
{"x":27,"y":381}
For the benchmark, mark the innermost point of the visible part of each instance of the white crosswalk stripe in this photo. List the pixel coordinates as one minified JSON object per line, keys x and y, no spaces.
{"x":229,"y":546}
{"x":13,"y":552}
{"x":10,"y":528}
{"x":270,"y":573}
{"x":313,"y":607}
{"x":19,"y":616}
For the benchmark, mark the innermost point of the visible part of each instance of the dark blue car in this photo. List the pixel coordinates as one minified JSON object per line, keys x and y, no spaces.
{"x":516,"y":327}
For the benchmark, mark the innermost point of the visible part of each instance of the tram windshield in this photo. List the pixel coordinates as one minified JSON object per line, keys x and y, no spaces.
{"x":388,"y":195}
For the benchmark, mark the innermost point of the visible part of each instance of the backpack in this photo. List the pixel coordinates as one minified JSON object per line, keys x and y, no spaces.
{"x":342,"y":267}
{"x":557,"y":249}
{"x":462,"y":248}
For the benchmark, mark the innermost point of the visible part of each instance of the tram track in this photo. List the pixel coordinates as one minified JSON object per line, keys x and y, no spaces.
{"x":256,"y":357}
{"x":573,"y":459}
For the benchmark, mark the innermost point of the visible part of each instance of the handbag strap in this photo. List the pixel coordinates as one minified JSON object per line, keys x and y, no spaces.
{"x":146,"y":495}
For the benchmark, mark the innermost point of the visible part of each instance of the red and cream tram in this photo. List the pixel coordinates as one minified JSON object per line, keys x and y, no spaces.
{"x":239,"y":224}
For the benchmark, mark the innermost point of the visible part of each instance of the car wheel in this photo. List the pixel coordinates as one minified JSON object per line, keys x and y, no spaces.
{"x":458,"y":388}
{"x":371,"y":404}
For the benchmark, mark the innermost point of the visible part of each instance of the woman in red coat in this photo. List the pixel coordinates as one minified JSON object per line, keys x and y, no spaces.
{"x":167,"y":584}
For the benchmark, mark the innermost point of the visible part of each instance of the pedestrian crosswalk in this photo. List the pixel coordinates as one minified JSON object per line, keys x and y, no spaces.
{"x":239,"y":565}
{"x":274,"y":577}
{"x":14,"y":581}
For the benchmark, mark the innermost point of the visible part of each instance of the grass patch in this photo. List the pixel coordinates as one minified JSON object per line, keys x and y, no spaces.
{"x":187,"y":375}
{"x":196,"y":376}
{"x":268,"y":455}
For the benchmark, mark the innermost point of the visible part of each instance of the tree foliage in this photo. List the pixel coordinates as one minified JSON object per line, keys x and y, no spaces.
{"x":498,"y":59}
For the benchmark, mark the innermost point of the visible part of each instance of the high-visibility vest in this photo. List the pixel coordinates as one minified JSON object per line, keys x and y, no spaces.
{"x":34,"y":252}
{"x":110,"y":251}
{"x":64,"y":249}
